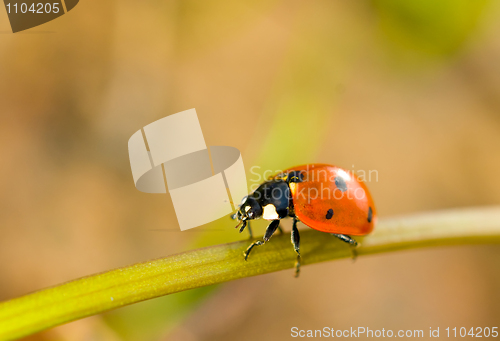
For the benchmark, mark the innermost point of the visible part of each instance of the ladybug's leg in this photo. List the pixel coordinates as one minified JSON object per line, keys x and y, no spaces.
{"x":269,"y":233}
{"x":296,"y":245}
{"x":346,"y":239}
{"x":243,"y":224}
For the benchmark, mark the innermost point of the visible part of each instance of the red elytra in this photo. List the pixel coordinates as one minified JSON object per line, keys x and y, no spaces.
{"x":331,"y":199}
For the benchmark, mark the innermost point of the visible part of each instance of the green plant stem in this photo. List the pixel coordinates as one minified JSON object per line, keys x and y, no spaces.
{"x":109,"y":290}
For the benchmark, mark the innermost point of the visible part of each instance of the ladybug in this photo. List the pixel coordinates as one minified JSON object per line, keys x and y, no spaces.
{"x":324,"y":197}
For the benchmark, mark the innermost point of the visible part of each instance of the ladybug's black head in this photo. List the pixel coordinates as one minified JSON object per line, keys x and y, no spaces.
{"x":249,"y":209}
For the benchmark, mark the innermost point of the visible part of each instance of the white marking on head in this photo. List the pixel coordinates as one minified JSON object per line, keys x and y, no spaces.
{"x":270,"y":212}
{"x":247,"y":208}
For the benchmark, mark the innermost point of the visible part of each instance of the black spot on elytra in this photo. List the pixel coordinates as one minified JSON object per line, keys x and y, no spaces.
{"x":329,"y":214}
{"x":340,"y":183}
{"x":370,"y":214}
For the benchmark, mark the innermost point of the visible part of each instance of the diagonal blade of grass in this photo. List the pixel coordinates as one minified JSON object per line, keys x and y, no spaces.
{"x":216,"y":264}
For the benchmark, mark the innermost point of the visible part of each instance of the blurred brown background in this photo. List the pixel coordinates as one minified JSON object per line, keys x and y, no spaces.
{"x":410,"y":89}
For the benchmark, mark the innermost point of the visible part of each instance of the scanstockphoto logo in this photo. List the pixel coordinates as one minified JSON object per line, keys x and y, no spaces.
{"x":27,"y":14}
{"x":323,"y":183}
{"x":201,"y":180}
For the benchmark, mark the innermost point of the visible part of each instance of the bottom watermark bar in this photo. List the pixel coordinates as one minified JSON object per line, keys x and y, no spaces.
{"x":455,"y":332}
